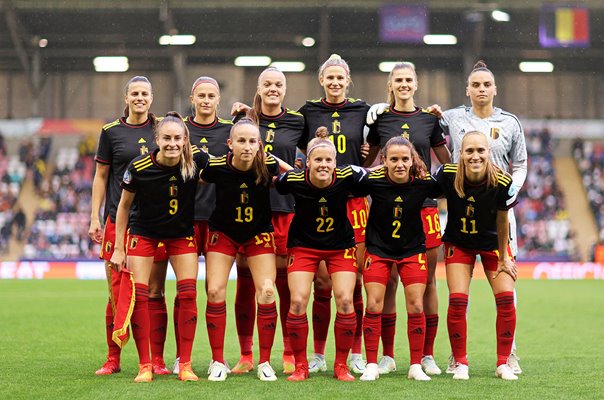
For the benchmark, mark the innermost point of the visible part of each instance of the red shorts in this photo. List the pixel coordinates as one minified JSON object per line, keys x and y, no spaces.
{"x":143,"y":246}
{"x":281,"y":223}
{"x":358,"y":211}
{"x":460,"y":255}
{"x":263,"y":243}
{"x":431,"y":221}
{"x":202,"y":231}
{"x":411,"y":270}
{"x":109,"y":241}
{"x":303,"y":259}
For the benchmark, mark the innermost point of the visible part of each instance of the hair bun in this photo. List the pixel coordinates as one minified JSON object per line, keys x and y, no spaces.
{"x":335,"y":56}
{"x":322,"y":133}
{"x":480,"y":64}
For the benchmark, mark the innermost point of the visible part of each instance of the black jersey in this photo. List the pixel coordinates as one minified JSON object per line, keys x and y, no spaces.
{"x":344,"y":121}
{"x":243,"y":208}
{"x":471,"y":221}
{"x":281,"y":135}
{"x":164,"y":201}
{"x":321,"y":221}
{"x":119,"y":143}
{"x":395,"y":229}
{"x":420,"y":127}
{"x":212,"y":139}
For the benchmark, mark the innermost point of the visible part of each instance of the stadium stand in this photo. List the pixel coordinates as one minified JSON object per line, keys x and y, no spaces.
{"x":590,"y":161}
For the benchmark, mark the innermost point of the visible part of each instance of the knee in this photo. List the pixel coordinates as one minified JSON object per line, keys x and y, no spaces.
{"x":344,"y":304}
{"x":415,"y":305}
{"x":266,"y":294}
{"x":374,"y":305}
{"x":298,"y":304}
{"x":216,"y":295}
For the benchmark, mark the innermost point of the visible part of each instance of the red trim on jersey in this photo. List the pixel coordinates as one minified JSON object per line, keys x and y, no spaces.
{"x":123,"y":121}
{"x":307,"y":179}
{"x":202,"y":126}
{"x":274,"y":117}
{"x":405,"y":113}
{"x":101,"y":161}
{"x":333,"y":105}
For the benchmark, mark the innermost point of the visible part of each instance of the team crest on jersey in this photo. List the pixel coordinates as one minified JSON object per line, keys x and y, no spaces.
{"x":405,"y":135}
{"x":324,"y":211}
{"x":495,"y":133}
{"x":336,"y":127}
{"x":469,"y":210}
{"x":127,"y":177}
{"x":144,"y":150}
{"x":173,"y":190}
{"x":244,"y":198}
{"x":270,"y":136}
{"x":397,"y":212}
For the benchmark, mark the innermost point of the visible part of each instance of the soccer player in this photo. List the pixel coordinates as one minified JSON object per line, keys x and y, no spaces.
{"x":345,"y":120}
{"x":321,"y":232}
{"x":506,"y":142}
{"x":241,"y":222}
{"x":479,"y":195}
{"x":403,"y":118}
{"x":282,"y":131}
{"x":210,"y":134}
{"x":395,"y":236}
{"x":121,"y":141}
{"x":162,"y":186}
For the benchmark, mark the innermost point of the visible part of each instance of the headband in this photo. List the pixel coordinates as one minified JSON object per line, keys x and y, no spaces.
{"x":204,"y":79}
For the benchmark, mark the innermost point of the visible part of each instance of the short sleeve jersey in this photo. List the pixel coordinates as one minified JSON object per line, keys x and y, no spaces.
{"x":242,"y":207}
{"x":344,"y":121}
{"x":211,"y":139}
{"x":503,"y":130}
{"x":164,"y":201}
{"x":420,"y":127}
{"x":471,"y":221}
{"x":119,"y":144}
{"x":281,"y":134}
{"x":395,"y":229}
{"x":320,"y":220}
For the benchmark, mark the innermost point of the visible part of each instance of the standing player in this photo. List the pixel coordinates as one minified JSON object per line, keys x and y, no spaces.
{"x":479,"y":195}
{"x":210,"y":134}
{"x":395,"y":236}
{"x":506,"y":142}
{"x":404,"y":119}
{"x":120,"y":142}
{"x":162,"y":187}
{"x":282,"y":131}
{"x":241,"y":222}
{"x":345,"y":120}
{"x":321,"y":232}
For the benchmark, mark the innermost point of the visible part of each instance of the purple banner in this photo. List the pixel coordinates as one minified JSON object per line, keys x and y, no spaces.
{"x":403,"y":23}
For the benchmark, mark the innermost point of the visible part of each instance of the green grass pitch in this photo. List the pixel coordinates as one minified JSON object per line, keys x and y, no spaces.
{"x":52,"y":341}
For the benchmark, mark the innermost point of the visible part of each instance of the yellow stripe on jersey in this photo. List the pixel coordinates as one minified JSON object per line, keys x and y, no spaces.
{"x":315,"y":100}
{"x":225,"y":121}
{"x":218,"y":160}
{"x":292,"y":112}
{"x":269,"y":160}
{"x":142,"y":166}
{"x":450,"y":168}
{"x":194,"y":149}
{"x":504,"y":178}
{"x":343,"y":174}
{"x":425,"y":110}
{"x":353,"y":100}
{"x":143,"y":160}
{"x":111,"y":124}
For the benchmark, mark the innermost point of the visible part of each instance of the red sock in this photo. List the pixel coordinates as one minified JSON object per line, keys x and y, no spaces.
{"x":431,"y":328}
{"x":297,"y":326}
{"x":267,"y":322}
{"x":187,"y":294}
{"x":372,"y":327}
{"x":158,"y":320}
{"x":321,"y":315}
{"x":113,"y":349}
{"x":505,"y":326}
{"x":175,"y":318}
{"x":416,"y":332}
{"x":388,"y":332}
{"x":245,"y":309}
{"x":457,"y":325}
{"x":358,"y":310}
{"x":284,"y":300}
{"x":344,"y":328}
{"x":140,"y":322}
{"x":216,"y":324}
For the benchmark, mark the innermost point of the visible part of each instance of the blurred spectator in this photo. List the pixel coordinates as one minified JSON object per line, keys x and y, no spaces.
{"x":19,"y":222}
{"x":590,"y":161}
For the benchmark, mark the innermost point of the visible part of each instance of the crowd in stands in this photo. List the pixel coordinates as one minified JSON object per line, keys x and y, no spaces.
{"x":12,"y":173}
{"x":590,"y":161}
{"x":542,"y":220}
{"x":60,"y":228}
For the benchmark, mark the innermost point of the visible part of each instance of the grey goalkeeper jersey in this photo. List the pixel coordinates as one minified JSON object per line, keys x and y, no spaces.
{"x":504,"y":133}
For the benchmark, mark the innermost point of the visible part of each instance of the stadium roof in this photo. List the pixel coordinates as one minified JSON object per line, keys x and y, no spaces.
{"x":79,"y":30}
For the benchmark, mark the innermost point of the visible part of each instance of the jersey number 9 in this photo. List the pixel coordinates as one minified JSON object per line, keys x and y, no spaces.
{"x":173,"y":206}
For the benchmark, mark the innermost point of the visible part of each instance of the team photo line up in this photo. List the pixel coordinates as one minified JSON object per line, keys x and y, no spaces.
{"x":175,"y":188}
